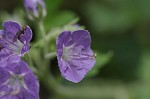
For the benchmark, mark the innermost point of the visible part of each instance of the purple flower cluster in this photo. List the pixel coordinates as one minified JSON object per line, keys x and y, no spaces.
{"x":75,"y":57}
{"x":16,"y":79}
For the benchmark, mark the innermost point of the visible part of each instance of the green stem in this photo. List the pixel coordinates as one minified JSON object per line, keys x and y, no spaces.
{"x":50,"y":55}
{"x":48,"y":37}
{"x":46,"y":77}
{"x":31,"y":64}
{"x":42,"y":30}
{"x":94,"y":91}
{"x":49,"y":82}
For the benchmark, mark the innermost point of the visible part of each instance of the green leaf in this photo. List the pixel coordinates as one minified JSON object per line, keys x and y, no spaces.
{"x":101,"y":60}
{"x":59,"y":19}
{"x":17,"y":15}
{"x":102,"y":17}
{"x":144,"y":70}
{"x":56,"y":17}
{"x":70,"y":26}
{"x":54,"y":32}
{"x":52,"y":6}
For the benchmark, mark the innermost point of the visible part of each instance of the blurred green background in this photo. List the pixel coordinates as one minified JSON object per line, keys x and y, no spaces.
{"x":120,"y":31}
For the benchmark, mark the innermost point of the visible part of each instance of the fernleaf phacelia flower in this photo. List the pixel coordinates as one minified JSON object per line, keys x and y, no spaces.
{"x":18,"y":82}
{"x":14,"y":39}
{"x":75,"y":57}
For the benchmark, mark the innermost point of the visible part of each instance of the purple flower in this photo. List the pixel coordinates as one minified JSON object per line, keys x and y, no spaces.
{"x":7,"y":59}
{"x":75,"y":58}
{"x":14,"y":39}
{"x":33,"y":6}
{"x":18,"y":82}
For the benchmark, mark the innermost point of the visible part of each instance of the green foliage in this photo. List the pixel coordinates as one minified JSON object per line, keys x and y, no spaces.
{"x":18,"y":15}
{"x":52,"y":6}
{"x":55,"y":17}
{"x":144,"y":70}
{"x":116,"y":15}
{"x":61,"y":19}
{"x":70,"y":26}
{"x":54,"y":32}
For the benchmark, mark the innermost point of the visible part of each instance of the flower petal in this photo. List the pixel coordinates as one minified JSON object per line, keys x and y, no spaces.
{"x":31,"y":83}
{"x":64,"y":39}
{"x":75,"y":57}
{"x":86,"y":60}
{"x":25,"y":49}
{"x":32,"y":6}
{"x":73,"y":73}
{"x":1,"y":33}
{"x":41,"y":2}
{"x":81,"y":37}
{"x":26,"y":36}
{"x":25,"y":94}
{"x":4,"y":75}
{"x":12,"y":27}
{"x":4,"y":56}
{"x":10,"y":97}
{"x":4,"y":90}
{"x":15,"y":39}
{"x":76,"y":69}
{"x":18,"y":68}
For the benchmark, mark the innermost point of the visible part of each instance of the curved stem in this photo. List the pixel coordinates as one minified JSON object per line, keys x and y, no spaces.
{"x":42,"y":30}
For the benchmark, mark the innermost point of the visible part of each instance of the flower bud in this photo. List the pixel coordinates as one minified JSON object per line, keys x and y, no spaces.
{"x":35,"y":8}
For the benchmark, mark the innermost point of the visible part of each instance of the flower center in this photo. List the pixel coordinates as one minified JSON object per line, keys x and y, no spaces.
{"x":14,"y":47}
{"x":14,"y":84}
{"x":76,"y":53}
{"x":66,"y":53}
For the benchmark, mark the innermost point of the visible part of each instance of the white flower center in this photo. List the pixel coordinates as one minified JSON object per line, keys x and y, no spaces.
{"x":75,"y":53}
{"x":15,"y":47}
{"x":14,"y":84}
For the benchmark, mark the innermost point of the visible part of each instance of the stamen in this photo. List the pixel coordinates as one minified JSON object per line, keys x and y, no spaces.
{"x":83,"y":57}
